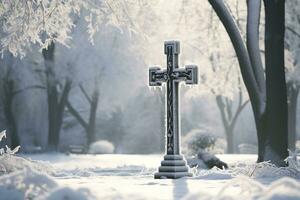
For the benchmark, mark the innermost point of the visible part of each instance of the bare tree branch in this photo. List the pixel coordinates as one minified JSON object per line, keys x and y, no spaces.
{"x":76,"y":114}
{"x":92,"y":119}
{"x":65,"y":94}
{"x":85,"y":93}
{"x":293,"y":31}
{"x":238,"y":111}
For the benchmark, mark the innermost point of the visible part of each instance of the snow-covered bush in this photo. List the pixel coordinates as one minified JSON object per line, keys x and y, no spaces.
{"x":198,"y":139}
{"x":220,"y":146}
{"x":102,"y":147}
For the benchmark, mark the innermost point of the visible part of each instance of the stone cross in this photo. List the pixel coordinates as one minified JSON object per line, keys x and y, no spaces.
{"x":173,"y":165}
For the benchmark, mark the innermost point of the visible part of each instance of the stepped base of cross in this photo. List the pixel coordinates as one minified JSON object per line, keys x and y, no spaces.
{"x":173,"y":166}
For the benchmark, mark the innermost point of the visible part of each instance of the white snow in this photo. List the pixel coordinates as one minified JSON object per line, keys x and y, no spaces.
{"x":245,"y":188}
{"x":114,"y":176}
{"x":25,"y":184}
{"x":64,"y":193}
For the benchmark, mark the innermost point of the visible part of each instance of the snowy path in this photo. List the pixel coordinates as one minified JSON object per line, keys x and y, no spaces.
{"x":130,"y":176}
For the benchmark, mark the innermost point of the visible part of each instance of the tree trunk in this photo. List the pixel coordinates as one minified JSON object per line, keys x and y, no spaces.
{"x":293,"y":92}
{"x":53,"y":112}
{"x":56,"y":101}
{"x":60,"y":113}
{"x":227,"y":123}
{"x":91,"y":132}
{"x":12,"y":128}
{"x":260,"y":119}
{"x":230,"y":140}
{"x":276,"y":140}
{"x":48,"y":55}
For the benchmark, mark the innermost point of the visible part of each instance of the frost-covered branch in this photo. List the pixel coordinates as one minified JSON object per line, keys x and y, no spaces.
{"x":27,"y":22}
{"x":7,"y":151}
{"x":2,"y":135}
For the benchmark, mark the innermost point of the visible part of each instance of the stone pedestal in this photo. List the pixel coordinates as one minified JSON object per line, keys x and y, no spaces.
{"x":173,"y":166}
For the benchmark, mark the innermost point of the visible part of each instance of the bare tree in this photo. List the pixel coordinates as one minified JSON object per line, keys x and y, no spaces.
{"x":226,"y":105}
{"x":229,"y":115}
{"x":229,"y":108}
{"x":90,"y":125}
{"x":267,"y":91}
{"x":57,"y":97}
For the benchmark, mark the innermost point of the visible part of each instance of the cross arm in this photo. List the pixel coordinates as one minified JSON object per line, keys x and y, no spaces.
{"x":157,"y":76}
{"x":189,"y":74}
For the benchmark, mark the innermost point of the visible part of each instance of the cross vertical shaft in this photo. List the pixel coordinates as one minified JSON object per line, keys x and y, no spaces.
{"x":172,"y":51}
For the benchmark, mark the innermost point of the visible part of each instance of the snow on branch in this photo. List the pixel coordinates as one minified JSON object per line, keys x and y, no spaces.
{"x":8,"y":150}
{"x":2,"y":135}
{"x":28,"y":22}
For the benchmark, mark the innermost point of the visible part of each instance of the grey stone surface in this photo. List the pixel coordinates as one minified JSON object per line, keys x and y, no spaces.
{"x":171,"y":175}
{"x":173,"y":168}
{"x":173,"y":165}
{"x":173,"y":157}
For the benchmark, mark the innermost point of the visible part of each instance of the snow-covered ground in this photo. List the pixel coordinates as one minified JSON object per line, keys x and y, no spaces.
{"x":114,"y":176}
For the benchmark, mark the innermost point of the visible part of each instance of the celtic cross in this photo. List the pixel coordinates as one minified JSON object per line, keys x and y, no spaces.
{"x":174,"y":165}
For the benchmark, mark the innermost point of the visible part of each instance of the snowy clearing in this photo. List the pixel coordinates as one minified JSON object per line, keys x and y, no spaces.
{"x":114,"y":176}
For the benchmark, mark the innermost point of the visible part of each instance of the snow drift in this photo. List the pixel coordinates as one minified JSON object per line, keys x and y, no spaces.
{"x":246,"y":188}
